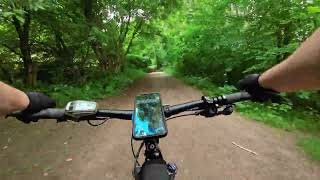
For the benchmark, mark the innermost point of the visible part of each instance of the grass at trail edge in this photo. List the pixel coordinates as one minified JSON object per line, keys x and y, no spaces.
{"x":283,"y":116}
{"x":108,"y":85}
{"x":311,"y":146}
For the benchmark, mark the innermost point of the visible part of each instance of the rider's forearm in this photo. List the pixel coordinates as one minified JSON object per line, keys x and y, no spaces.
{"x":11,"y":99}
{"x":301,"y":71}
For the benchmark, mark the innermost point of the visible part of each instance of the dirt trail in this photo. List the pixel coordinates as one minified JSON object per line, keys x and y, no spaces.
{"x":202,"y":148}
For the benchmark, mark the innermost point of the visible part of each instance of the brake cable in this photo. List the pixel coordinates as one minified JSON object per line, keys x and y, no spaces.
{"x":136,"y":155}
{"x":182,"y":115}
{"x":103,"y":121}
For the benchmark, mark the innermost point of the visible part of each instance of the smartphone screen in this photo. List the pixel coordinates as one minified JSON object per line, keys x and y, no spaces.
{"x":148,"y":117}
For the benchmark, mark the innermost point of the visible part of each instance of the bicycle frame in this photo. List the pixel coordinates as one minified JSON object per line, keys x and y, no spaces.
{"x":154,"y":167}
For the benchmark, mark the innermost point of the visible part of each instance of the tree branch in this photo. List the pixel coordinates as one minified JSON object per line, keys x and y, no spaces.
{"x":127,"y":24}
{"x":27,"y":20}
{"x":121,"y":26}
{"x":11,"y":49}
{"x":46,"y":47}
{"x":17,"y":25}
{"x":135,"y":32}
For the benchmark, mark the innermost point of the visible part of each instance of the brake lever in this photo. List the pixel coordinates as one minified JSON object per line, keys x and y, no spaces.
{"x":212,"y":107}
{"x":14,"y":114}
{"x":8,"y":115}
{"x":227,"y":110}
{"x":209,"y":112}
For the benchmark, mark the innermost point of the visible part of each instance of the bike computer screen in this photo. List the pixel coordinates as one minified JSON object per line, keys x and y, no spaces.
{"x":81,"y":108}
{"x":148,"y":117}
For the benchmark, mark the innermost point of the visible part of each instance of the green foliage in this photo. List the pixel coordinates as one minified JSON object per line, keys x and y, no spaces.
{"x":311,"y":146}
{"x":282,"y":116}
{"x":138,"y":62}
{"x":213,"y":44}
{"x":103,"y":86}
{"x":314,"y":9}
{"x":224,"y":40}
{"x":50,"y":40}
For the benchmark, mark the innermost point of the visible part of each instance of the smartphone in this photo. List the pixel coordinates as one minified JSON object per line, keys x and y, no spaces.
{"x":148,"y":117}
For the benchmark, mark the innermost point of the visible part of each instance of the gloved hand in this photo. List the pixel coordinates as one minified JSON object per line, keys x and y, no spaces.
{"x":259,"y":94}
{"x":37,"y":102}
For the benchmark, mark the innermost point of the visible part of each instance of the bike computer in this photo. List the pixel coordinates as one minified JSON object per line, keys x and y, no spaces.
{"x":148,"y":117}
{"x":81,"y":108}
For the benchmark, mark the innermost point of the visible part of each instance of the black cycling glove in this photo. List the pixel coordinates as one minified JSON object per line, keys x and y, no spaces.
{"x":259,"y":94}
{"x":38,"y":102}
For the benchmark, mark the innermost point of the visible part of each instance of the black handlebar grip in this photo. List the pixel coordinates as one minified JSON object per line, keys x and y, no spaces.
{"x":51,"y":113}
{"x":236,"y":97}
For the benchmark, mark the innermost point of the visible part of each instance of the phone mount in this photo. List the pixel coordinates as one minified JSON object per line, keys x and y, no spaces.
{"x":152,"y":150}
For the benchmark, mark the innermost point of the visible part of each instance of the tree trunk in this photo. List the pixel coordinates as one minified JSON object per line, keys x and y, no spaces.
{"x":32,"y":75}
{"x":279,"y":43}
{"x":64,"y":54}
{"x":286,"y":39}
{"x":23,"y":33}
{"x":26,"y":57}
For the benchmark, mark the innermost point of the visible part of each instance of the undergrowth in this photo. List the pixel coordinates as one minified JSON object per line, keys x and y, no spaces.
{"x":284,"y":116}
{"x":106,"y":85}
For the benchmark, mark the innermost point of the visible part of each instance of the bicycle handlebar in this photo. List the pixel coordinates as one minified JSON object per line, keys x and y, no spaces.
{"x":120,"y":114}
{"x":50,"y":113}
{"x":59,"y":114}
{"x":237,"y":97}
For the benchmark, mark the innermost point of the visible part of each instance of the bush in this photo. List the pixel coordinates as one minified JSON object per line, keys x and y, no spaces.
{"x":311,"y":146}
{"x":95,"y":88}
{"x":138,"y":61}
